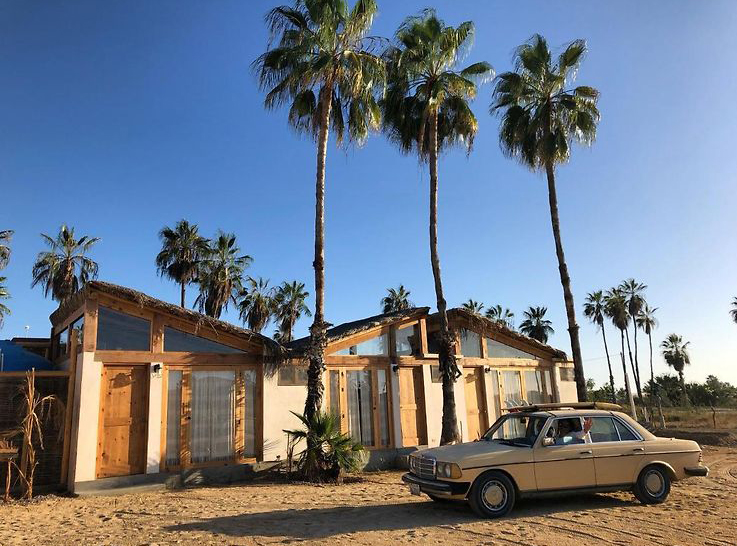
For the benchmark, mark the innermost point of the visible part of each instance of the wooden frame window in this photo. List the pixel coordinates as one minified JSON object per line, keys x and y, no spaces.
{"x":292,"y":376}
{"x":470,"y":343}
{"x":118,"y":331}
{"x":513,"y":386}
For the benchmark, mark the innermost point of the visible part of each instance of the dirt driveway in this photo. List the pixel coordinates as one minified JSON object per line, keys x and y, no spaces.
{"x":378,"y":510}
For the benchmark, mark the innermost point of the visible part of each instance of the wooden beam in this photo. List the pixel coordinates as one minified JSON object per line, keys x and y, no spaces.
{"x":91,"y":312}
{"x":69,"y":405}
{"x":193,"y":359}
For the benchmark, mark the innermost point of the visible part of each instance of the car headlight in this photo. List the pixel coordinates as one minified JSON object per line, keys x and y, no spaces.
{"x":448,"y":470}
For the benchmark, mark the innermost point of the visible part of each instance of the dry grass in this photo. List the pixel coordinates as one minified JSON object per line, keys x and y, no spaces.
{"x":723,"y":419}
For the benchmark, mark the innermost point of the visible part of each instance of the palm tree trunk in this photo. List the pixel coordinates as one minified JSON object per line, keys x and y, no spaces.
{"x":182,"y":293}
{"x":653,"y":387}
{"x":565,"y":281}
{"x":637,"y":362}
{"x":627,"y":388}
{"x":632,"y":365}
{"x":446,"y":357}
{"x":609,"y":363}
{"x":318,"y":334}
{"x":686,"y":401}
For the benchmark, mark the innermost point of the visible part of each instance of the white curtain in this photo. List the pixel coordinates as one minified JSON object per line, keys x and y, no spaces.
{"x":249,"y":421}
{"x":383,"y":408}
{"x":173,"y":417}
{"x":213,"y":416}
{"x":360,"y":423}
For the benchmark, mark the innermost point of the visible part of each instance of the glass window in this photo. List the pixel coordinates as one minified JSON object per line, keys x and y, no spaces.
{"x":495,"y":349}
{"x":62,"y":340}
{"x":383,"y":407}
{"x":213,"y":415}
{"x":295,"y":376}
{"x":495,"y":393}
{"x":470,"y":343}
{"x":433,"y":342}
{"x":625,"y":433}
{"x":566,"y":374}
{"x":182,"y":342}
{"x":516,"y":429}
{"x":536,"y":387}
{"x":512,"y":386}
{"x":435,"y":375}
{"x":121,"y":332}
{"x":603,"y":430}
{"x":79,"y":326}
{"x":408,"y":342}
{"x":249,"y":414}
{"x":360,"y":404}
{"x":173,"y":417}
{"x":335,"y":392}
{"x":376,"y":346}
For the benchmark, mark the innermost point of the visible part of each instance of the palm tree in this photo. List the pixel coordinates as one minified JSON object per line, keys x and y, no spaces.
{"x":473,"y":306}
{"x":64,"y":268}
{"x":182,"y":250}
{"x":541,"y":118}
{"x":733,"y":311}
{"x":633,"y":292}
{"x":256,"y":304}
{"x":536,"y":325}
{"x":675,"y":353}
{"x":501,"y":315}
{"x":615,"y":307}
{"x":395,"y":300}
{"x":220,"y":275}
{"x":323,"y":67}
{"x":426,"y":111}
{"x":646,"y":321}
{"x":5,"y":236}
{"x":4,"y":295}
{"x":289,"y":306}
{"x":593,"y":309}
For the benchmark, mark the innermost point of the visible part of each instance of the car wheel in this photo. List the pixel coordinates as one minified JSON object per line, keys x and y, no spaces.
{"x":492,"y":495}
{"x":653,"y":485}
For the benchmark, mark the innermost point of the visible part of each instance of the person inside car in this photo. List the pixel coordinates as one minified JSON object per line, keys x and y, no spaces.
{"x":570,"y":431}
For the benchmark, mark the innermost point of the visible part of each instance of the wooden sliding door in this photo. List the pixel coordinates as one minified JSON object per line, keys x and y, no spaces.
{"x":412,"y":407}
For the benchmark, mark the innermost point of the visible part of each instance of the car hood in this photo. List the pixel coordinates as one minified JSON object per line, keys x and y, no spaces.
{"x":482,"y":453}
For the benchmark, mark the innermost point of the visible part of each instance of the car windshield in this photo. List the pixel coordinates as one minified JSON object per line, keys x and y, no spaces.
{"x":517,"y":429}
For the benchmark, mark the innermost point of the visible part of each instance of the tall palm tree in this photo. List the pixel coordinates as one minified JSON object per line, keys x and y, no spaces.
{"x":182,"y":250}
{"x":675,"y":353}
{"x":256,"y":303}
{"x":615,"y":307}
{"x":324,"y":68}
{"x":220,"y":275}
{"x":502,"y":315}
{"x":733,"y":311}
{"x":64,"y":268}
{"x":5,"y":236}
{"x":593,"y":309}
{"x":473,"y":306}
{"x":634,"y":293}
{"x":647,"y":322}
{"x":4,"y":295}
{"x":536,"y":325}
{"x":541,"y":117}
{"x":426,"y":111}
{"x":395,"y":300}
{"x":289,"y":306}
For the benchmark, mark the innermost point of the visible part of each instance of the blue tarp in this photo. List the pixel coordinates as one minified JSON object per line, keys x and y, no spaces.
{"x":17,"y":359}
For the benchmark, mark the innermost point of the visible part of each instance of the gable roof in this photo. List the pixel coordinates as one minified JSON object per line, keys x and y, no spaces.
{"x":144,"y":300}
{"x":347,"y":329}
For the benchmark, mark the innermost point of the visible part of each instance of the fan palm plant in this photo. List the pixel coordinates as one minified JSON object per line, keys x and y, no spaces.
{"x":64,"y":268}
{"x":536,"y":325}
{"x":396,"y":299}
{"x":426,"y":111}
{"x":733,"y":311}
{"x":473,"y":306}
{"x":647,"y":322}
{"x":289,"y":306}
{"x":615,"y":307}
{"x":4,"y":295}
{"x":502,"y":315}
{"x":541,"y":117}
{"x":634,"y":293}
{"x":220,"y":275}
{"x":182,"y":250}
{"x":675,"y":353}
{"x":593,"y":309}
{"x":256,"y":305}
{"x":5,"y":236}
{"x":323,"y":67}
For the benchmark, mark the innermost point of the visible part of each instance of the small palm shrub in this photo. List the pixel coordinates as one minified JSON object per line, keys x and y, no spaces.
{"x":329,"y":453}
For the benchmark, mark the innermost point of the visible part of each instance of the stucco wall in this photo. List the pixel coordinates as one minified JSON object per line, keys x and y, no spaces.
{"x":566,"y":389}
{"x":278,"y":403}
{"x":434,"y":407}
{"x":83,"y":449}
{"x":155,"y":395}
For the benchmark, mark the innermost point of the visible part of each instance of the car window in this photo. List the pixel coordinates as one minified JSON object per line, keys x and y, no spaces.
{"x":624,"y":432}
{"x":603,"y":430}
{"x":567,"y":431}
{"x":516,"y":429}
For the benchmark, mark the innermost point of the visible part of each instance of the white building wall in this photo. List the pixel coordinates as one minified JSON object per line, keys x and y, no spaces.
{"x":566,"y":389}
{"x":278,"y":403}
{"x":434,"y":407}
{"x":85,"y":420}
{"x":155,"y":397}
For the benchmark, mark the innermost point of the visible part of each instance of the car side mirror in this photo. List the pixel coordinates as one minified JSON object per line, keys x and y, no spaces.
{"x":547,"y":442}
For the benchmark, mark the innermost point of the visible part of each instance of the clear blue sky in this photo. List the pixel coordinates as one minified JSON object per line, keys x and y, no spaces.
{"x":121,"y":117}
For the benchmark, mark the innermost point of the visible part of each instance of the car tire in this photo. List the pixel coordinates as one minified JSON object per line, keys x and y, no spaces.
{"x":493,"y":495}
{"x":653,"y":485}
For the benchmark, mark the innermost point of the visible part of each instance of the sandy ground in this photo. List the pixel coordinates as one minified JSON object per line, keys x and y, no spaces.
{"x":378,"y":510}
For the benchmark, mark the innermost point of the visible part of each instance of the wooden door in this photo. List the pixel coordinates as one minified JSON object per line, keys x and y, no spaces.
{"x":412,"y":407}
{"x":476,"y":417}
{"x":121,"y":447}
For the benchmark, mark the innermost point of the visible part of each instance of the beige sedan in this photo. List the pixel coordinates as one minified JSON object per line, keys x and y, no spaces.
{"x":551,"y":449}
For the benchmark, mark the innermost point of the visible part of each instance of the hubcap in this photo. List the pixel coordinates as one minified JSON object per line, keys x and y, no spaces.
{"x":494,"y":495}
{"x":654,"y":483}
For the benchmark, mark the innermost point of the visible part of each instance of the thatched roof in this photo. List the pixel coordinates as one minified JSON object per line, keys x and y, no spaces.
{"x":348,"y":329}
{"x":494,"y":326}
{"x":144,"y":300}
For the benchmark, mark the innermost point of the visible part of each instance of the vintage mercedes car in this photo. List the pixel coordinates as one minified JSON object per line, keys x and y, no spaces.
{"x":554,"y":448}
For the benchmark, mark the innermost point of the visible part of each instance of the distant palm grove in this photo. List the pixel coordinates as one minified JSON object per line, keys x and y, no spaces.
{"x":331,"y":79}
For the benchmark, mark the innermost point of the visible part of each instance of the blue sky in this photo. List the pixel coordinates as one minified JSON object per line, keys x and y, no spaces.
{"x":121,"y":117}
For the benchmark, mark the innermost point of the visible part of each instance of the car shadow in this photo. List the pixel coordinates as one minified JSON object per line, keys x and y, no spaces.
{"x":321,"y":523}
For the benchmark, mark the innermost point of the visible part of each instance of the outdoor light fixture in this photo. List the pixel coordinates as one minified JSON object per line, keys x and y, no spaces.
{"x":487,"y":369}
{"x":395,"y":368}
{"x":156,"y":370}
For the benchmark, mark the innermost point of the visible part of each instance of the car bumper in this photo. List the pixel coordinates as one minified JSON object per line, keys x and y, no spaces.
{"x":436,"y":487}
{"x":696,"y":471}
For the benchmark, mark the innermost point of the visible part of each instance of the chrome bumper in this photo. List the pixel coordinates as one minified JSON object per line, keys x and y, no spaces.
{"x":434,"y":487}
{"x":696,"y":470}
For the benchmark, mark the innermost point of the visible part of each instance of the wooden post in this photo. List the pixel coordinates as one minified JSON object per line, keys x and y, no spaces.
{"x":422,"y":328}
{"x":69,"y":405}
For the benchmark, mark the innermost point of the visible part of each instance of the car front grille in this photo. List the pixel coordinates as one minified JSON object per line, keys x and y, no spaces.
{"x":424,"y":467}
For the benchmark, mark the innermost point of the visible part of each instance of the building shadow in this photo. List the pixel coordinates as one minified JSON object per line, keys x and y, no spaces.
{"x":322,"y":523}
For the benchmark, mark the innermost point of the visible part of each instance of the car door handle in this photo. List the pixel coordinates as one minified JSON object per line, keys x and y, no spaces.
{"x":587,"y":452}
{"x":639,"y":449}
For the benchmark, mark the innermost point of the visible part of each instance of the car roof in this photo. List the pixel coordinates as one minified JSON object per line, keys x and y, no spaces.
{"x":568,"y":413}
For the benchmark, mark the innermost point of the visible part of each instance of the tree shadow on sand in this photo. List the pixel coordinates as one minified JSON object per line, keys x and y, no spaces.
{"x":319,"y":523}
